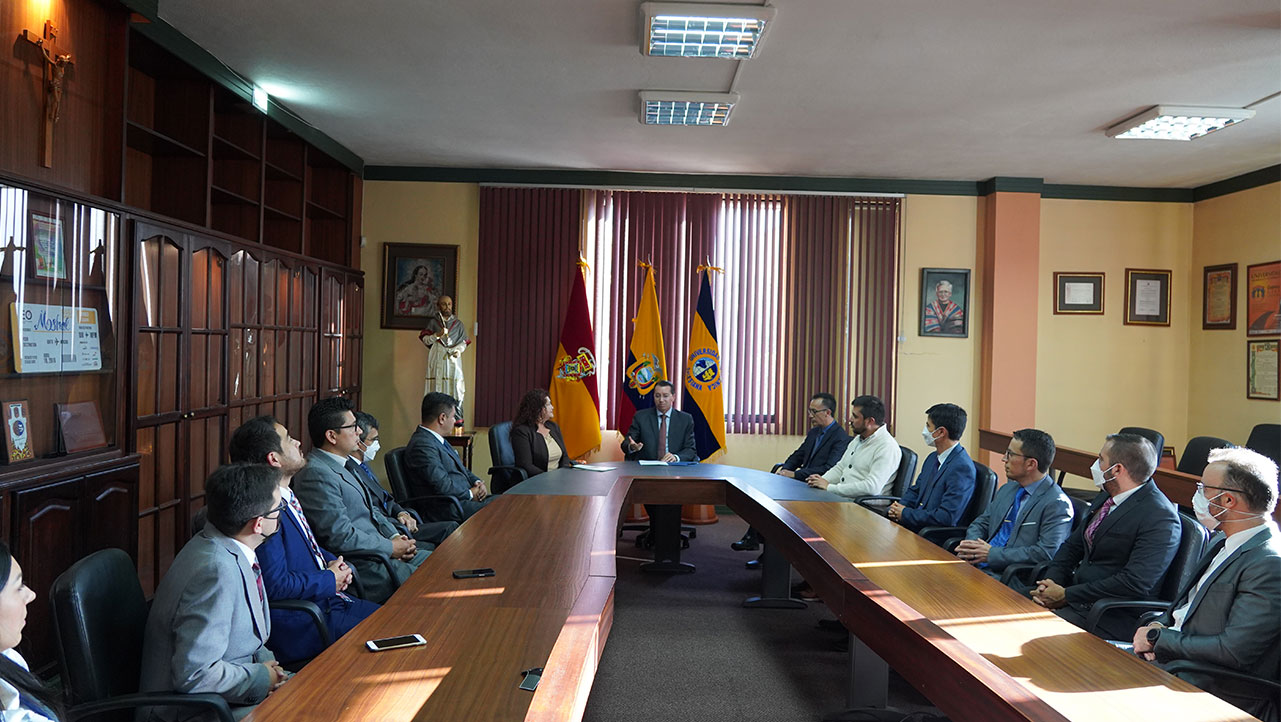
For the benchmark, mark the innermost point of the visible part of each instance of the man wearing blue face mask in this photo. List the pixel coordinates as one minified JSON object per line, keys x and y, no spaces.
{"x":1123,"y":546}
{"x":1227,"y":615}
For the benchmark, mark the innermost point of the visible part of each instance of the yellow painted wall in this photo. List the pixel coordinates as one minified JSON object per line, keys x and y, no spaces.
{"x":1095,"y":374}
{"x":1242,"y":228}
{"x":938,"y":232}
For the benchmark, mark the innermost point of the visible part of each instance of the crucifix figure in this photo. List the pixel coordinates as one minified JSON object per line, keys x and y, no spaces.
{"x":56,"y":62}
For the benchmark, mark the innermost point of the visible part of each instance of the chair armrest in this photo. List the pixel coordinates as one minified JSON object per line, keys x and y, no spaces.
{"x":871,"y":502}
{"x":952,"y":543}
{"x":513,"y":470}
{"x":940,"y":534}
{"x":209,"y":703}
{"x":1147,"y":618}
{"x":1025,"y":573}
{"x":502,"y":478}
{"x":776,"y":468}
{"x":1103,"y":606}
{"x":421,"y":504}
{"x":1214,"y":670}
{"x":373,"y":555}
{"x":311,"y":610}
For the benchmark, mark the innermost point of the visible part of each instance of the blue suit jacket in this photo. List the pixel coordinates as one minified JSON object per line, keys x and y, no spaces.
{"x":289,"y":572}
{"x":940,"y":495}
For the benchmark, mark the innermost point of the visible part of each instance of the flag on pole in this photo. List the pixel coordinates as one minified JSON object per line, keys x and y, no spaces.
{"x":645,"y":365}
{"x":704,"y":398}
{"x":573,"y":388}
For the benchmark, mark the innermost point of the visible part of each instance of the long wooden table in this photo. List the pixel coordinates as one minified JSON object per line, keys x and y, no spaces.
{"x":979,"y":651}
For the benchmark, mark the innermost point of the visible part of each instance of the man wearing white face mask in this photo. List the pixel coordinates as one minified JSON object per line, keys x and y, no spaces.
{"x":943,"y":489}
{"x":1123,"y":546}
{"x":408,"y":521}
{"x":1229,"y":612}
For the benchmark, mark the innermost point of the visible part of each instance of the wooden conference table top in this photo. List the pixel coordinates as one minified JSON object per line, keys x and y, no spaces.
{"x":977,"y":649}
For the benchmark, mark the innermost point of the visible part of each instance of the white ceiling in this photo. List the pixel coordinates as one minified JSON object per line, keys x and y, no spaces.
{"x":876,"y":89}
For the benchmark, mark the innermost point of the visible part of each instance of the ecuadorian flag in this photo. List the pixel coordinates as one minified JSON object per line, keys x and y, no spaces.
{"x":704,"y":398}
{"x":645,"y":365}
{"x":573,"y":387}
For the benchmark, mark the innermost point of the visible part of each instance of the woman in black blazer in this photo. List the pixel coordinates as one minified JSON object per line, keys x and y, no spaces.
{"x":535,"y":437}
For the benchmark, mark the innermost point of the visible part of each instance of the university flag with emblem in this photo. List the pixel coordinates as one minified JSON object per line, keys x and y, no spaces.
{"x":645,"y":365}
{"x":704,"y":398}
{"x":573,"y":388}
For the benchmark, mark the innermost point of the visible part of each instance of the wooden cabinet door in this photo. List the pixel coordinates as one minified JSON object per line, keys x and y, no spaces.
{"x":46,"y":533}
{"x":108,"y":506}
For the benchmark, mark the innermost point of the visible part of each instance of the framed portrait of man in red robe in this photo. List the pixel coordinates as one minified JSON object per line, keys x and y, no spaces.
{"x":945,"y":300}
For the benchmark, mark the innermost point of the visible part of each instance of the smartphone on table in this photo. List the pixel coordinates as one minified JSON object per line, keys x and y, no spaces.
{"x":386,"y":643}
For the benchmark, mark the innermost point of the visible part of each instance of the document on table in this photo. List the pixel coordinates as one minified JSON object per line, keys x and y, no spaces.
{"x":645,"y":462}
{"x":592,"y":467}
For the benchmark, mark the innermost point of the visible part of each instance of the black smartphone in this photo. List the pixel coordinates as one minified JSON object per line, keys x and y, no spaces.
{"x":473,"y":573}
{"x":531,"y":677}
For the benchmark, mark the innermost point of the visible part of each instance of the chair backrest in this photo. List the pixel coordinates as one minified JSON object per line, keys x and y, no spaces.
{"x":1266,"y":439}
{"x":99,"y":614}
{"x":906,"y":470}
{"x":396,"y":473}
{"x":500,"y":444}
{"x":1154,"y":436}
{"x":1080,"y":507}
{"x":1194,"y":456}
{"x":1192,"y":540}
{"x":984,"y":491}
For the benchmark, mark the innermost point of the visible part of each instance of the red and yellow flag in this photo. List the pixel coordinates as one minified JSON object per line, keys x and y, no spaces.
{"x":573,"y":388}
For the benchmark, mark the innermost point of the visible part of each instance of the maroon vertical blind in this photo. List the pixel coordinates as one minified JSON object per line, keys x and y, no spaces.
{"x":528,"y":253}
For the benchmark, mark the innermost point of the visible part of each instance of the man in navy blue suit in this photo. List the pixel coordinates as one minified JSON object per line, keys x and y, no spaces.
{"x":946,"y":483}
{"x":294,"y":565}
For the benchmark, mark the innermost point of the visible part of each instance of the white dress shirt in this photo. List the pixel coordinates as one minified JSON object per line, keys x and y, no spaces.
{"x":868,"y":466}
{"x":11,"y":709}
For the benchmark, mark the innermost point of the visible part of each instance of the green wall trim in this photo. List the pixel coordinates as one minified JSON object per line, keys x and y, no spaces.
{"x":1245,"y":181}
{"x":1118,"y":193}
{"x":1009,"y":184}
{"x":168,"y":37}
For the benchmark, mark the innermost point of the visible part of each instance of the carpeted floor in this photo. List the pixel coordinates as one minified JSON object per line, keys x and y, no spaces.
{"x":682,"y":647}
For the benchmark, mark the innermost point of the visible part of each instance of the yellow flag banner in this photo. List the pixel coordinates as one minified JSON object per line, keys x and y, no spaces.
{"x":573,"y":388}
{"x":645,"y":365}
{"x":704,"y":397}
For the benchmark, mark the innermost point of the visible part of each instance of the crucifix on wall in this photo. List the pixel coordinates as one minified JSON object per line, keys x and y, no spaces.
{"x":55,"y":67}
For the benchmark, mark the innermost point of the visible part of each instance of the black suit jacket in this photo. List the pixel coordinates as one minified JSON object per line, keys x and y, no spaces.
{"x":680,"y":436}
{"x":531,"y":450}
{"x":1132,"y":549}
{"x":805,"y":460}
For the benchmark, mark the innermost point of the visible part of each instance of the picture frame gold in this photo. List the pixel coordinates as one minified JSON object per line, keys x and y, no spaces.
{"x":1147,"y":297}
{"x":1070,"y":289}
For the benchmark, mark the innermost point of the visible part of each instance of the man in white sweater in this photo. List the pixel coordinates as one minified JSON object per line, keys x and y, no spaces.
{"x":870,"y":461}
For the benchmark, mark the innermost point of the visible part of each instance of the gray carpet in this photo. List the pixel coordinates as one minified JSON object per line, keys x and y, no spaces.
{"x":682,"y":647}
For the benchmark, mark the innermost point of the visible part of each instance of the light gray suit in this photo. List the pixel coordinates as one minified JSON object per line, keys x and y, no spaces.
{"x":206,"y":629}
{"x":345,"y":518}
{"x":1043,"y":522}
{"x":1234,"y":620}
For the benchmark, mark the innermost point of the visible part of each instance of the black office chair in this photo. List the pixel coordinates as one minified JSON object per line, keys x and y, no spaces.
{"x":99,"y":615}
{"x":1266,"y":439}
{"x":1028,"y":573}
{"x":1192,"y":541}
{"x":1243,"y":684}
{"x":431,"y":507}
{"x":901,"y":480}
{"x":1195,"y":454}
{"x":504,"y":474}
{"x":1155,"y":437}
{"x":984,"y":490}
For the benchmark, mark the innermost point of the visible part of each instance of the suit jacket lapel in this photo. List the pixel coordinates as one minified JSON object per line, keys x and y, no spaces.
{"x":249,"y":581}
{"x":1031,"y":501}
{"x":1118,"y":512}
{"x":1258,"y":540}
{"x":348,"y":478}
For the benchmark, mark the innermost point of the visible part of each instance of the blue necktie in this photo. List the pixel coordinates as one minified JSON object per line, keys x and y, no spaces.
{"x":1006,"y":531}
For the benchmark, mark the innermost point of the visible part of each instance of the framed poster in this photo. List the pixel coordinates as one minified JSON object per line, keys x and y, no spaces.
{"x":1147,"y":297}
{"x":80,"y":426}
{"x":1078,"y":293}
{"x":945,"y":302}
{"x":1263,"y":299}
{"x":47,"y":247}
{"x":414,"y":277}
{"x":17,"y":439}
{"x":1219,"y":304}
{"x":1261,"y":380}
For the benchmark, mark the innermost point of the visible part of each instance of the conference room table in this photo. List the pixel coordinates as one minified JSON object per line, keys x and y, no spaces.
{"x":978,"y":650}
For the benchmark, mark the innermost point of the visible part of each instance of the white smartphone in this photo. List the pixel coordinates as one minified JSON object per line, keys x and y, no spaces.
{"x":386,"y":643}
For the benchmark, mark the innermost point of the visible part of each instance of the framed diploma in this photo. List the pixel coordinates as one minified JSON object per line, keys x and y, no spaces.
{"x":1219,"y":302}
{"x":1263,"y":299}
{"x":17,"y":425}
{"x":1147,"y":297}
{"x":1261,"y":380}
{"x":80,"y":426}
{"x":1078,"y":293}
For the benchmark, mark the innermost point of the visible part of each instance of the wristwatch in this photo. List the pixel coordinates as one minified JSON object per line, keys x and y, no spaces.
{"x":1154,"y":633}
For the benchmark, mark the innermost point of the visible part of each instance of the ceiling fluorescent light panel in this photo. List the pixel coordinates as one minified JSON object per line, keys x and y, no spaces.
{"x":660,"y":107}
{"x":1177,"y":122}
{"x":703,"y":30}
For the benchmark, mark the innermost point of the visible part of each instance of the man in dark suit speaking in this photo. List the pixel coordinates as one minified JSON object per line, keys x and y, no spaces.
{"x":662,"y":433}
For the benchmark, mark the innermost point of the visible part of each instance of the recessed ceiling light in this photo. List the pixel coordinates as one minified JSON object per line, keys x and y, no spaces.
{"x":1177,"y":122}
{"x":703,"y":30}
{"x":680,"y":108}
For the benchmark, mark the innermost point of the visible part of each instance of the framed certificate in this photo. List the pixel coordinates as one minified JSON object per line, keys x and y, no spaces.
{"x":1078,"y":293}
{"x":1263,"y":299}
{"x":1147,"y":297}
{"x":1219,"y":302}
{"x":1261,"y":380}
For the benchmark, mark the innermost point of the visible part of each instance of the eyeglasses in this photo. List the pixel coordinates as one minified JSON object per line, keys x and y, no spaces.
{"x":1202,"y":487}
{"x":352,"y":425}
{"x":275,"y":513}
{"x":814,"y":412}
{"x":1006,"y":456}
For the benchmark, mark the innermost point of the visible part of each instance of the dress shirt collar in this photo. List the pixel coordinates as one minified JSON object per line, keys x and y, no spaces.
{"x":1031,"y":488}
{"x":439,"y":438}
{"x":943,"y":456}
{"x":341,"y":461}
{"x":1116,"y":500}
{"x":1238,"y":540}
{"x":248,"y":551}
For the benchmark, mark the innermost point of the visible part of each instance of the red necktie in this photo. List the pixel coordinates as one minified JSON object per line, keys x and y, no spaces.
{"x":1098,"y":519}
{"x":262,"y":595}
{"x":662,"y":436}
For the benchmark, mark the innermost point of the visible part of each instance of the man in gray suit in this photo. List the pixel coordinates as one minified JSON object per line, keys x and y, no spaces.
{"x":431,"y":464}
{"x":209,"y":622}
{"x":1030,"y":516}
{"x":1229,"y":613}
{"x":343,"y":514}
